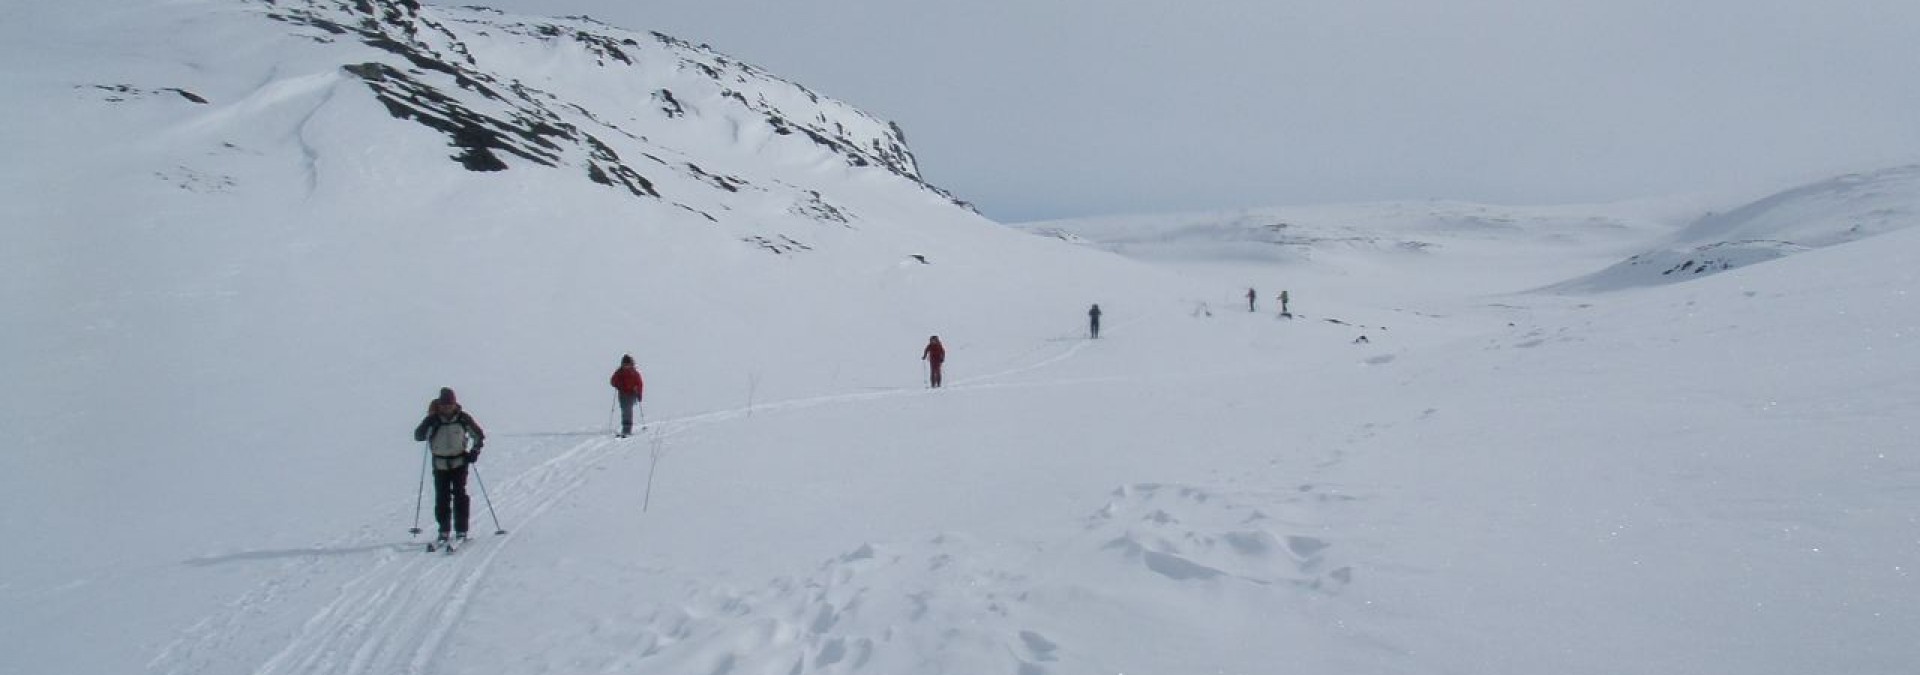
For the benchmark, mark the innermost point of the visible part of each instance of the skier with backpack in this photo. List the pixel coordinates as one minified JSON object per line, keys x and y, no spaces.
{"x":629,"y":387}
{"x":447,"y":430}
{"x":935,"y":354}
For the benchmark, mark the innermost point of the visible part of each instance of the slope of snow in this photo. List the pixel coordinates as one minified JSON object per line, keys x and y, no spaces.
{"x":228,"y":315}
{"x":1838,"y":210}
{"x":236,"y":305}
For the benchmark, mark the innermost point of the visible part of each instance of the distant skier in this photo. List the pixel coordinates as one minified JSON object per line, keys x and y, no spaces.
{"x":934,"y":355}
{"x":446,"y":431}
{"x":1283,"y":304}
{"x":1093,"y":321}
{"x":1250,"y":296}
{"x":629,"y":387}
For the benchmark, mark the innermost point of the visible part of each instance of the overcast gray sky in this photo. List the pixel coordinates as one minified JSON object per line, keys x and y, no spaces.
{"x":1056,"y":108}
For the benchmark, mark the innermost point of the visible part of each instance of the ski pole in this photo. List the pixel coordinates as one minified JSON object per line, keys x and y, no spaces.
{"x":610,"y":406}
{"x":418,"y":494}
{"x":483,"y":495}
{"x":658,"y":444}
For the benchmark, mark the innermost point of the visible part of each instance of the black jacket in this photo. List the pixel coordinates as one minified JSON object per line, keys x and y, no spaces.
{"x":431,"y":425}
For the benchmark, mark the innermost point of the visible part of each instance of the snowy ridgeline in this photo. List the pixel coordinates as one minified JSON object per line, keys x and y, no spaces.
{"x":1843,"y":209}
{"x":644,"y":114}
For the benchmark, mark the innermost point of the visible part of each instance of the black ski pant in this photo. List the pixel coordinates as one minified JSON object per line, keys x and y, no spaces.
{"x":450,"y":496}
{"x":627,"y":402}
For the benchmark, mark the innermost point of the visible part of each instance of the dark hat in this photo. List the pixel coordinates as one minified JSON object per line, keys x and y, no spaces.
{"x":628,"y":359}
{"x":446,"y":396}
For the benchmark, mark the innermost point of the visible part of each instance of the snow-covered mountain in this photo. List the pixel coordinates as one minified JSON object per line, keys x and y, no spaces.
{"x":1692,"y":238}
{"x":1326,"y":251}
{"x":242,"y":242}
{"x":222,"y":179}
{"x":249,"y":238}
{"x":647,"y":114}
{"x":1839,"y":210}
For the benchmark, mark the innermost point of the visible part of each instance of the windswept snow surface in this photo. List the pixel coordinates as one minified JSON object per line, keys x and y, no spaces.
{"x":212,"y":376}
{"x":1842,"y":209}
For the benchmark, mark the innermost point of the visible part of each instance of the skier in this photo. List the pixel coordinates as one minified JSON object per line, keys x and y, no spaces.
{"x":1283,"y":305}
{"x":446,"y":431}
{"x":1093,"y":320}
{"x":627,"y":384}
{"x":934,"y":355}
{"x":1250,"y":297}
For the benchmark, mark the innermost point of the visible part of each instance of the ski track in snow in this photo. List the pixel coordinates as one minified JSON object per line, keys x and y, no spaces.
{"x":397,"y":616}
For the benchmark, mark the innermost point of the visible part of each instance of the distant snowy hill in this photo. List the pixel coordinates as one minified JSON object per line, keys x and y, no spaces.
{"x":1327,"y":250}
{"x":1301,"y":240}
{"x":1838,"y":210}
{"x":1302,"y":233}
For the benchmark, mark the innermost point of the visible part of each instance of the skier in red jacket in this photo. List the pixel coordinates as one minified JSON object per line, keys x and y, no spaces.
{"x":626,"y":381}
{"x":934,"y":355}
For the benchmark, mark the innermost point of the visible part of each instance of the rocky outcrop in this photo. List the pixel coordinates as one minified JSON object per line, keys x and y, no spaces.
{"x":495,"y":120}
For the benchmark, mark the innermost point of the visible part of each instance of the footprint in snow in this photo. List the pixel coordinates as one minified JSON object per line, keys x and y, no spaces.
{"x":1183,"y":534}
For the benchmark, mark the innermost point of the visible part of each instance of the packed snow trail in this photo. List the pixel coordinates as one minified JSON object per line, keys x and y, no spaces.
{"x":392,"y":618}
{"x":396,"y":616}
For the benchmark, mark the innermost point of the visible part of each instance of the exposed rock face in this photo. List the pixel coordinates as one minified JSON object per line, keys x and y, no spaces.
{"x":454,"y":73}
